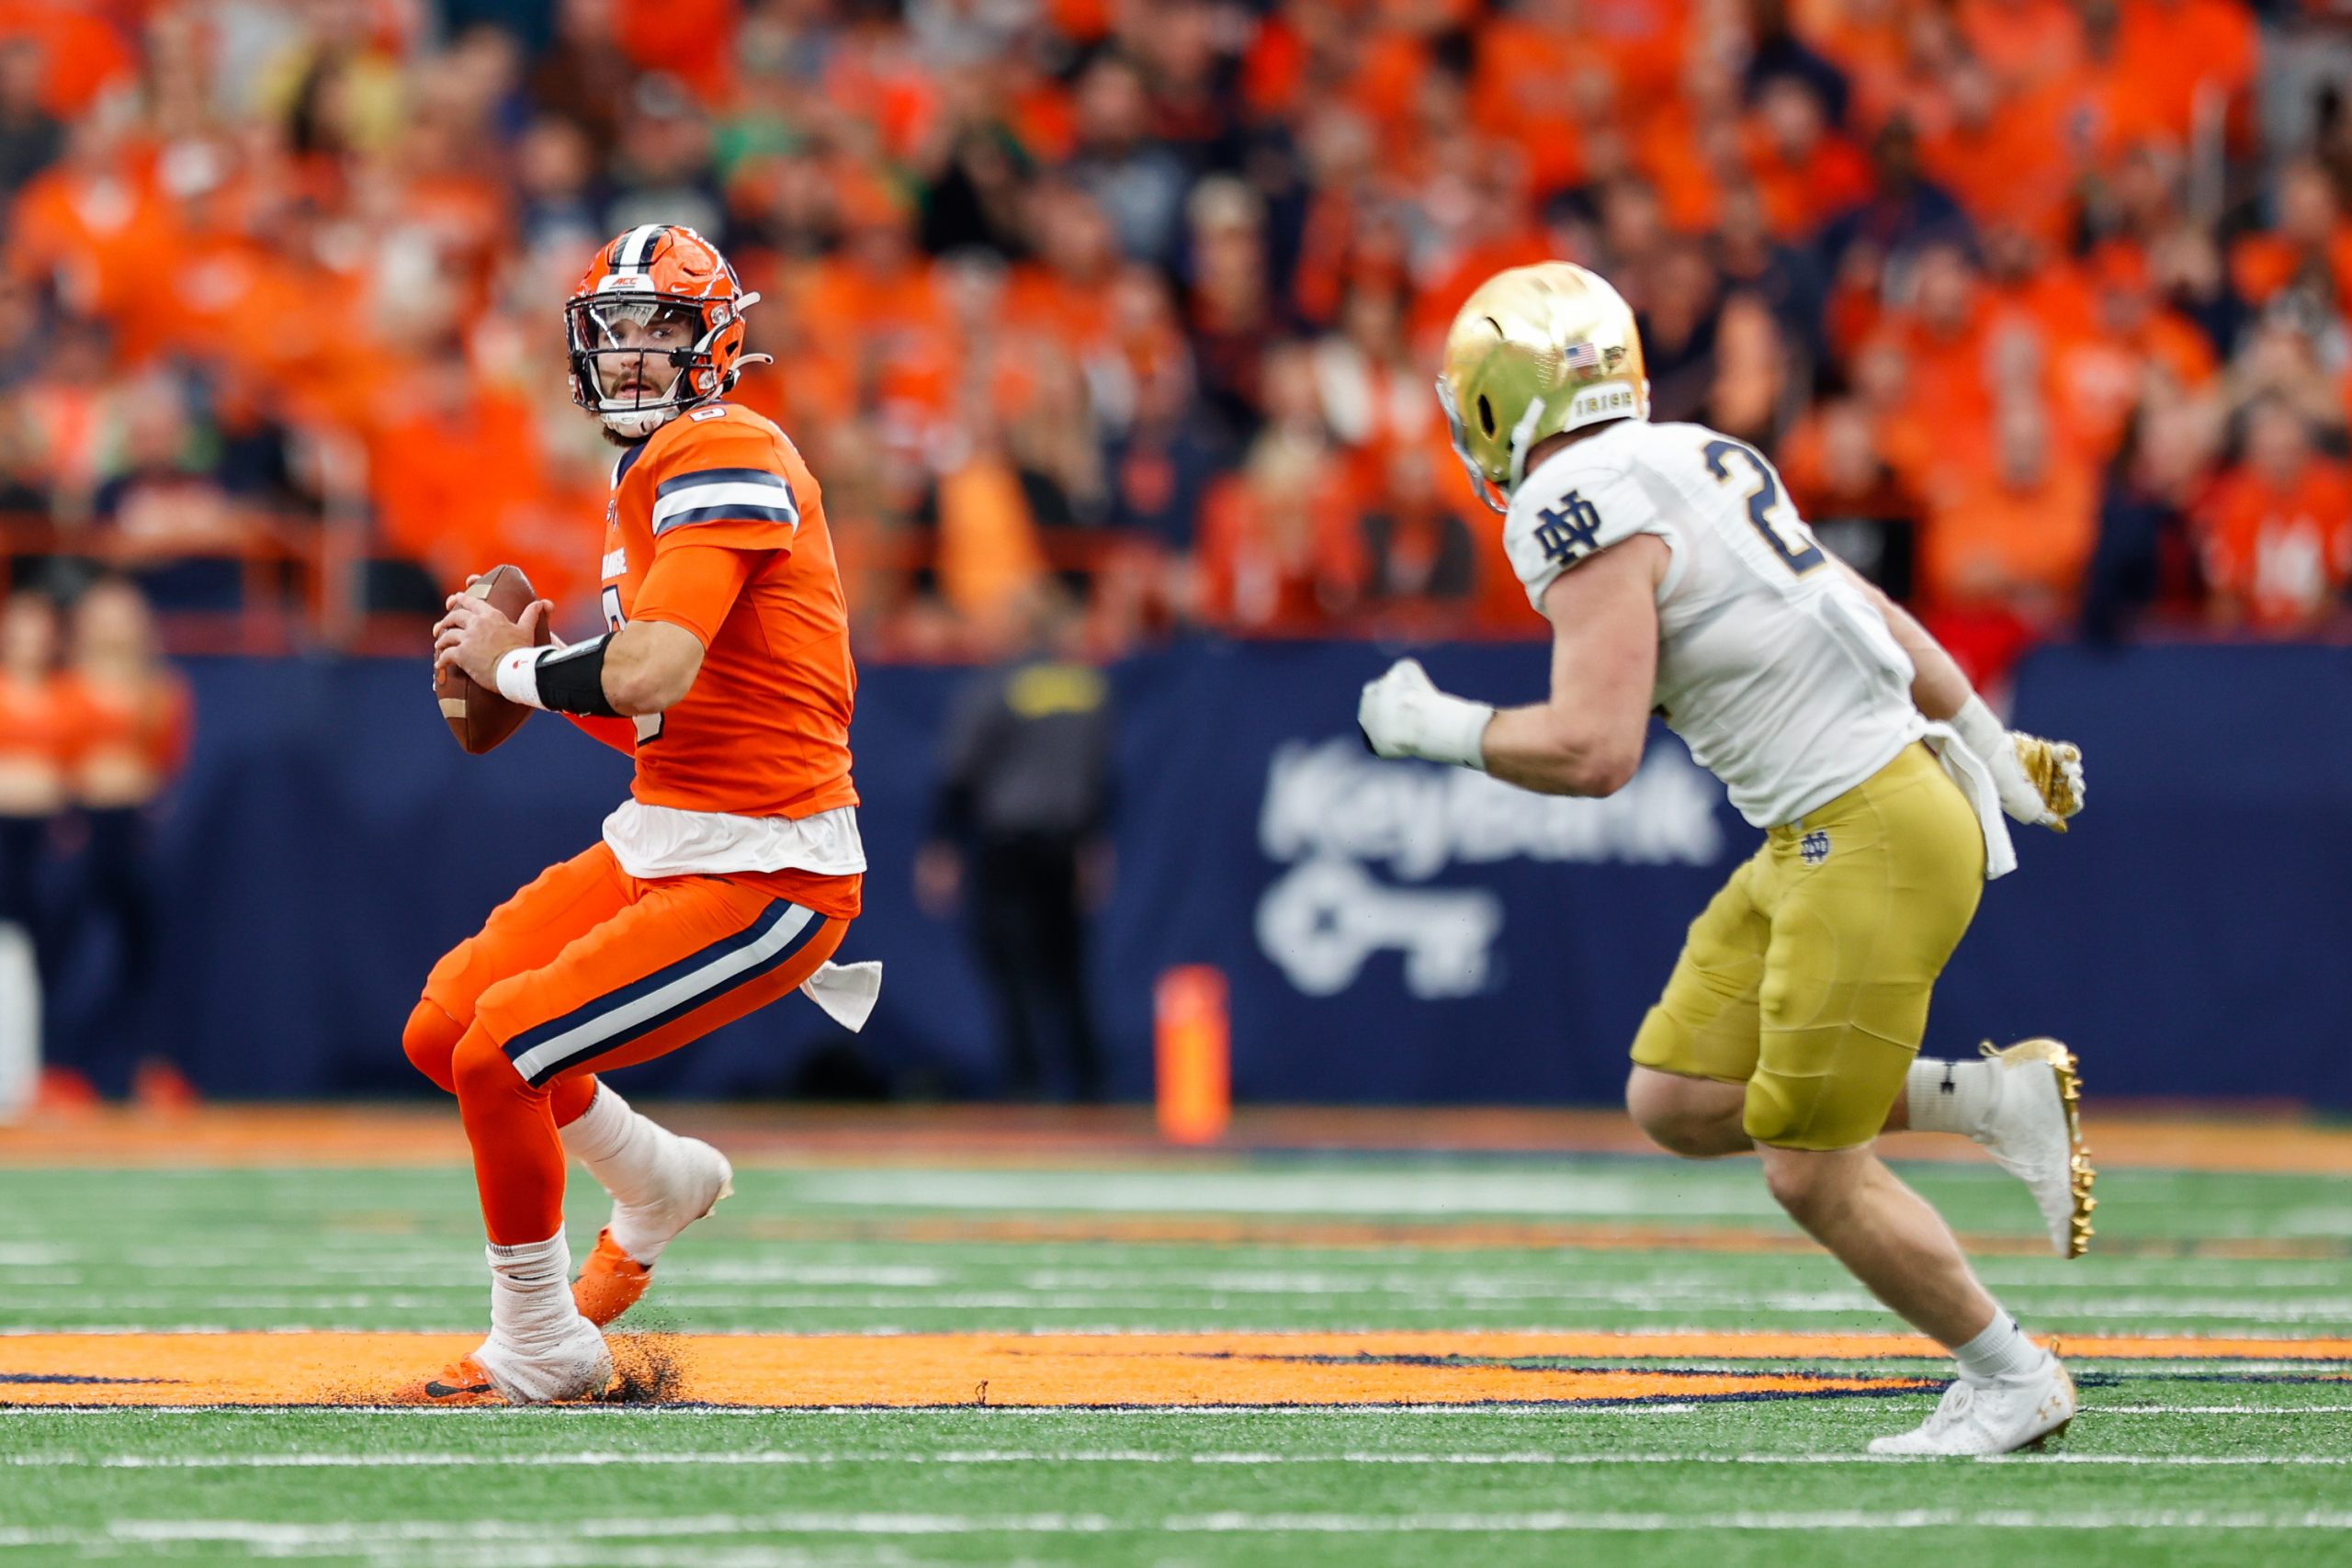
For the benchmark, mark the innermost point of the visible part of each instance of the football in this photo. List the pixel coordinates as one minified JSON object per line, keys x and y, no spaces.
{"x":478,"y":716}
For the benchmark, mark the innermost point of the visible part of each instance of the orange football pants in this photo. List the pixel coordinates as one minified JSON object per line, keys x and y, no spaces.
{"x":585,"y":970}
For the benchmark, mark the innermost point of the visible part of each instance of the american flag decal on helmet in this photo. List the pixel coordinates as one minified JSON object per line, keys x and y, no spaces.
{"x":1582,"y":356}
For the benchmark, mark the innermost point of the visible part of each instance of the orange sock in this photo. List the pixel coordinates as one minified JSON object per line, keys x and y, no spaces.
{"x":518,"y":1157}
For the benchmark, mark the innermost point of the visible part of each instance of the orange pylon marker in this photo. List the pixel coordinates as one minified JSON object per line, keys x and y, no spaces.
{"x":1194,"y":1041}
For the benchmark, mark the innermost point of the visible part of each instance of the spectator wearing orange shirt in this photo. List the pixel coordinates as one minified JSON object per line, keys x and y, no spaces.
{"x":2010,"y":152}
{"x":2019,"y":535}
{"x":133,"y":711}
{"x":1281,"y":552}
{"x":1806,"y":172}
{"x":1950,"y":347}
{"x":2276,"y":531}
{"x":1065,"y":294}
{"x":2099,"y":374}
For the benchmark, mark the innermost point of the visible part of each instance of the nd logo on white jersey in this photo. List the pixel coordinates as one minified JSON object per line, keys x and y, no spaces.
{"x":1569,"y":531}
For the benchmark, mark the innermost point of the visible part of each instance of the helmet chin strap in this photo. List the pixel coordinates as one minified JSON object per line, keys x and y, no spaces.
{"x":1522,"y":437}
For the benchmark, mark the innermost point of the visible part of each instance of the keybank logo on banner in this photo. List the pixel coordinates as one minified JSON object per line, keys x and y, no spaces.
{"x":1335,"y":813}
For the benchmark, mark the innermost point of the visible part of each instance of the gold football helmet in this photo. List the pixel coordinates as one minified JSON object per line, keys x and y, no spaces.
{"x":1535,"y":351}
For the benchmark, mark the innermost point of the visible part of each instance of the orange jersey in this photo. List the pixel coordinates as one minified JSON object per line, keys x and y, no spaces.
{"x":42,"y":719}
{"x":41,"y":731}
{"x":721,"y":501}
{"x":133,"y":738}
{"x":2284,"y":555}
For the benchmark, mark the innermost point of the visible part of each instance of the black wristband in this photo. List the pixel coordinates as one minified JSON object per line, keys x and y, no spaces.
{"x":571,"y":680}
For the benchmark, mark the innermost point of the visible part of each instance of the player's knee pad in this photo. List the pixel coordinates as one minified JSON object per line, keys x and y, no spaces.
{"x":431,"y":1040}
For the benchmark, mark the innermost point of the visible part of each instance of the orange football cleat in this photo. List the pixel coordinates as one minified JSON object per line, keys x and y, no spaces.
{"x":610,"y":1282}
{"x":462,"y":1381}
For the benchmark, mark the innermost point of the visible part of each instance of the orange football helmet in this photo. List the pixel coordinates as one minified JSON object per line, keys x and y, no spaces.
{"x":660,"y":291}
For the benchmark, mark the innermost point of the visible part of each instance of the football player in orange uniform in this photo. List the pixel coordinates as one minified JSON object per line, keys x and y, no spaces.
{"x":729,"y":876}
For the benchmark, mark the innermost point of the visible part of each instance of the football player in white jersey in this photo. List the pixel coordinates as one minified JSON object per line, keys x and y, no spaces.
{"x":1679,"y":580}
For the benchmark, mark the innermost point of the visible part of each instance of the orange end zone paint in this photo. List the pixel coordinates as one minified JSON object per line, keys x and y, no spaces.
{"x":944,"y":1370}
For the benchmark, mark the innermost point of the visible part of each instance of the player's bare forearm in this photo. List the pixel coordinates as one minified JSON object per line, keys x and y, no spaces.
{"x":1532,"y":748}
{"x":1939,"y":689}
{"x":1586,"y":738}
{"x":649,"y":666}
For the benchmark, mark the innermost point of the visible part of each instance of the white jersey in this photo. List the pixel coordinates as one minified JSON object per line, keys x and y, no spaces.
{"x":1775,"y":669}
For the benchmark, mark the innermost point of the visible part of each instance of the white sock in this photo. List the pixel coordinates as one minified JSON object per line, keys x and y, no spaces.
{"x":1951,"y":1097}
{"x":530,"y":1292}
{"x":630,"y":1155}
{"x":2001,"y":1351}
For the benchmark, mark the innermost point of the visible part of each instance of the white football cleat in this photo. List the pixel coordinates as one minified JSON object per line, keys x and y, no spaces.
{"x":2035,"y":1131}
{"x":618,"y":1271}
{"x":1997,"y":1417}
{"x":577,"y":1365}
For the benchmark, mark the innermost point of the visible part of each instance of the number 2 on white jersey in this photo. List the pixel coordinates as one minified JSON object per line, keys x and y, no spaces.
{"x":1767,"y":511}
{"x":649,"y":725}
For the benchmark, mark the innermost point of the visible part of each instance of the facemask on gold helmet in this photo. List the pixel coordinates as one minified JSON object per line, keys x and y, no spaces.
{"x":1536,"y":351}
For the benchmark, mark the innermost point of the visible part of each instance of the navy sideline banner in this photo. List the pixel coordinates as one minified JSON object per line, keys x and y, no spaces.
{"x":1392,"y":932}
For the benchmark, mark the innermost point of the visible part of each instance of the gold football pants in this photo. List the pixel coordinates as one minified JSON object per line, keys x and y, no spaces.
{"x":1807,"y":977}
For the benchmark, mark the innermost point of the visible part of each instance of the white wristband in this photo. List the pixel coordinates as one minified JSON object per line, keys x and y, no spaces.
{"x":1453,"y":729}
{"x":518,"y":676}
{"x":1979,"y":730}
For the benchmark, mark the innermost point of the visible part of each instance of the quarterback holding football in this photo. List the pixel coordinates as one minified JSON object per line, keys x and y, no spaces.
{"x":728,"y":877}
{"x":1679,"y":580}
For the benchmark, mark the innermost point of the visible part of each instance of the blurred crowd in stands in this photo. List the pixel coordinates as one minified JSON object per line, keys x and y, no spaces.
{"x":2040,"y":304}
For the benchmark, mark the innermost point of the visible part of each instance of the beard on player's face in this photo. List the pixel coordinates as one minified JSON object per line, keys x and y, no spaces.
{"x":627,"y":378}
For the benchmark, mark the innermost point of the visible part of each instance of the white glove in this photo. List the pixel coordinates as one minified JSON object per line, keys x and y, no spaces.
{"x":2040,"y":782}
{"x":1403,"y":714}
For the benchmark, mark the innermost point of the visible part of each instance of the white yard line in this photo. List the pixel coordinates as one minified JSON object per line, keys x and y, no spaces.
{"x":280,"y":1538}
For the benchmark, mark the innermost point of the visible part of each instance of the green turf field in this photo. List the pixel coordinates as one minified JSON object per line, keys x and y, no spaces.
{"x":2184,"y":1461}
